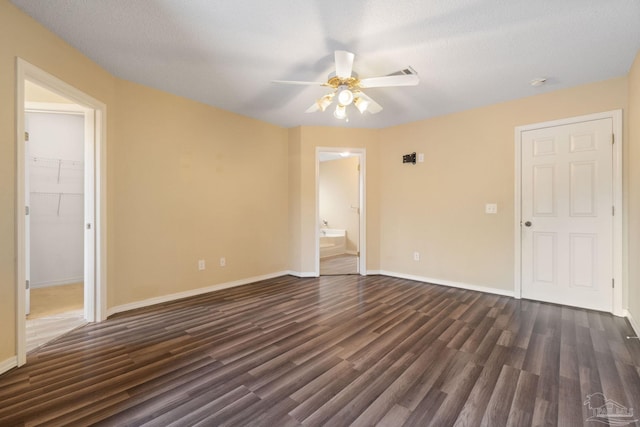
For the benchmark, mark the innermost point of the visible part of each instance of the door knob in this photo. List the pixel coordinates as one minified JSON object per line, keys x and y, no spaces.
{"x":527,"y":224}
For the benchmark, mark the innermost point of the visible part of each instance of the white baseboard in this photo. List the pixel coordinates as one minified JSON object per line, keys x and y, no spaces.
{"x":302,"y":274}
{"x":190,"y":293}
{"x":451,"y":284}
{"x":10,"y":363}
{"x":60,"y":282}
{"x":634,"y":324}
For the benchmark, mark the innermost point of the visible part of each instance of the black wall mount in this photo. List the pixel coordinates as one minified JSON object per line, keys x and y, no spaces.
{"x":409,"y":158}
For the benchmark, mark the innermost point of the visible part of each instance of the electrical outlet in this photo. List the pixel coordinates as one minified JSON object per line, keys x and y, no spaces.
{"x":491,"y":208}
{"x":416,"y":256}
{"x":223,"y":262}
{"x":201,"y":265}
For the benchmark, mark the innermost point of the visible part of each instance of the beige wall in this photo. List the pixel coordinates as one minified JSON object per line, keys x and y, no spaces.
{"x":338,"y":195}
{"x":304,"y":197}
{"x":632,"y":192}
{"x":437,"y":207}
{"x":194,"y":182}
{"x":21,"y":37}
{"x":295,"y":200}
{"x":185,"y":181}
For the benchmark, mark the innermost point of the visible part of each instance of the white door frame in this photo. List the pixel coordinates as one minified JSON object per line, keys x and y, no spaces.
{"x":95,"y":303}
{"x":362,"y":245}
{"x":616,"y":116}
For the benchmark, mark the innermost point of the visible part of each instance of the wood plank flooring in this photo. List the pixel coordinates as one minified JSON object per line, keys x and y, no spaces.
{"x":337,"y":351}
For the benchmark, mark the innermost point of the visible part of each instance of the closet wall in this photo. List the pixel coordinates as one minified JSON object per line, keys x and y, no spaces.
{"x":56,"y":186}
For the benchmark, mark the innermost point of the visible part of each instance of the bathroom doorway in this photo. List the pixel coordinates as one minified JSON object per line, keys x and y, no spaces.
{"x":339,"y":211}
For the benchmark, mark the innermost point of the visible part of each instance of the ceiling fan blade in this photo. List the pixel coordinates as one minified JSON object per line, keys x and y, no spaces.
{"x":314,"y":107}
{"x":344,"y":63}
{"x":296,"y":82}
{"x":372,"y":106}
{"x":388,"y":81}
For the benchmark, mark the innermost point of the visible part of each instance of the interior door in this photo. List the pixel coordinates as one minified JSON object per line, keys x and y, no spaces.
{"x":567,"y":214}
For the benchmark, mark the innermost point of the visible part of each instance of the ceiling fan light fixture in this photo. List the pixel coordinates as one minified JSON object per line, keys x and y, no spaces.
{"x":341,"y":112}
{"x":345,"y":97}
{"x":361,"y":104}
{"x":324,"y":102}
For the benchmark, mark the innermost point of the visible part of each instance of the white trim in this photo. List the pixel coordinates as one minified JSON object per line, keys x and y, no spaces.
{"x":10,"y":363}
{"x":98,"y":110}
{"x":53,"y":107}
{"x":448,"y":283}
{"x":616,"y":117}
{"x":635,"y":325}
{"x":60,"y":282}
{"x":361,"y":153}
{"x":302,"y":274}
{"x":192,"y":292}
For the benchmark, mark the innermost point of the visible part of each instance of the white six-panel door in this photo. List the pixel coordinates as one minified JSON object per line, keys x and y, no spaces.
{"x":567,"y":218}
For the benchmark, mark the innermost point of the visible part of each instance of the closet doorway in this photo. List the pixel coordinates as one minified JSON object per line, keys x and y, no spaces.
{"x":66,"y":188}
{"x":340,"y":215}
{"x":54,"y":222}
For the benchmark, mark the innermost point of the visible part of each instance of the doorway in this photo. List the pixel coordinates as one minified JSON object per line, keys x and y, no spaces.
{"x":57,"y":185}
{"x":54,"y":232}
{"x":568,"y":233}
{"x":339,"y":213}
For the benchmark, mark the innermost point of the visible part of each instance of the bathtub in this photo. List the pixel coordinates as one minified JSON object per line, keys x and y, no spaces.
{"x":333,"y":241}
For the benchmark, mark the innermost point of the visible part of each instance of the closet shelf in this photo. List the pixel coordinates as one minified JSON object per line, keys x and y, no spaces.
{"x":57,"y":163}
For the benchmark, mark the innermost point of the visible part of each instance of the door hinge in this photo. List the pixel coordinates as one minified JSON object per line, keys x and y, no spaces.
{"x":358,"y":254}
{"x":358,"y":168}
{"x":613,"y":139}
{"x":613,"y":283}
{"x":26,"y":136}
{"x":27,"y":284}
{"x":613,"y":210}
{"x":26,"y":210}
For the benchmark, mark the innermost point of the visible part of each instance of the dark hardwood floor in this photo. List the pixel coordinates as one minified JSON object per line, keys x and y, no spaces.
{"x":339,"y":350}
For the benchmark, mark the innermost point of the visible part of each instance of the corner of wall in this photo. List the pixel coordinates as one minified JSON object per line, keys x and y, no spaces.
{"x":632,"y":192}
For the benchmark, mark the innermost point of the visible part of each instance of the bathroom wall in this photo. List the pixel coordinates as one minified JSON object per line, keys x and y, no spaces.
{"x":339,"y":197}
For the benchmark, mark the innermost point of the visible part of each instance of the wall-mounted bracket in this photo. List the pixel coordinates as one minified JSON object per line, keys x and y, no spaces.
{"x":409,"y":158}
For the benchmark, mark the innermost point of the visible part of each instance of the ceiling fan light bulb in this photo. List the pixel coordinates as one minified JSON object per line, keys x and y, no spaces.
{"x":324,"y":102}
{"x":361,"y":105}
{"x":341,"y":112}
{"x":345,"y":97}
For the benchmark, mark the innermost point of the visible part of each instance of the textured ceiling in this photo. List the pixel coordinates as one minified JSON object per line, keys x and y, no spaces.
{"x":468,"y":53}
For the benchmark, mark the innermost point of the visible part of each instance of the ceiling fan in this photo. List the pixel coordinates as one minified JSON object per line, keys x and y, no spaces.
{"x":347,"y":87}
